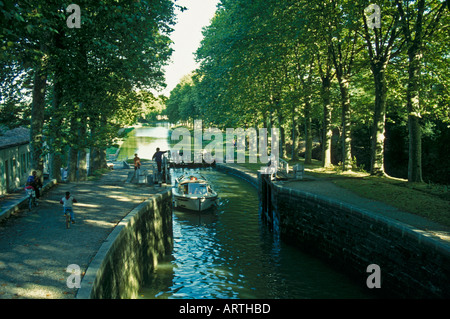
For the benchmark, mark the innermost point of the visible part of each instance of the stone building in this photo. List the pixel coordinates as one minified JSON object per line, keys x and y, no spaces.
{"x":15,"y":158}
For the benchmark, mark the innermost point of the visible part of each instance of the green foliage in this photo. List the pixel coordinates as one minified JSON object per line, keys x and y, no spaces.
{"x":99,"y":76}
{"x":262,"y":64}
{"x":265,"y":63}
{"x":183,"y":102}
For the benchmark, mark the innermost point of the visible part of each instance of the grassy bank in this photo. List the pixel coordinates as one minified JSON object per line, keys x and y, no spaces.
{"x":426,"y":200}
{"x":124,"y":133}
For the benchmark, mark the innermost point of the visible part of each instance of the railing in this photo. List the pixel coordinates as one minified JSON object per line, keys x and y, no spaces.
{"x":275,"y":167}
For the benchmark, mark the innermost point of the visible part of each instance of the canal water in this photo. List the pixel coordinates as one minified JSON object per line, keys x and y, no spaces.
{"x":144,"y":141}
{"x":228,"y":252}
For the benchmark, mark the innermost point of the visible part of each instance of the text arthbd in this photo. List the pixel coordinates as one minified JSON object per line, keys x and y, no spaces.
{"x":227,"y":309}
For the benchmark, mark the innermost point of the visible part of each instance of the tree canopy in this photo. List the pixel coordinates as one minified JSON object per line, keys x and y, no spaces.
{"x":355,"y":92}
{"x":343,"y":84}
{"x":80,"y":85}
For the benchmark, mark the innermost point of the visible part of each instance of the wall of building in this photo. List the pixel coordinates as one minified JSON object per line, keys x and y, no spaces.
{"x":15,"y":163}
{"x":131,"y":251}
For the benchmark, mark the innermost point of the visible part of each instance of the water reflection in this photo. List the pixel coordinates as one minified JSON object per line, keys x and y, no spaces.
{"x":144,"y":141}
{"x":229,"y":253}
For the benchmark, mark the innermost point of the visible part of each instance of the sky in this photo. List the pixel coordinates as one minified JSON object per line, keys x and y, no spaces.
{"x":187,"y":36}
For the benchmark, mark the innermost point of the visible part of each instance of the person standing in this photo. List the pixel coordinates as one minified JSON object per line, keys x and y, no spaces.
{"x":137,"y":162}
{"x":158,"y":158}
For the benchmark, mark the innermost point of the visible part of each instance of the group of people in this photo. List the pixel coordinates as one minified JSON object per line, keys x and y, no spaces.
{"x":35,"y":182}
{"x":67,"y":201}
{"x":157,"y":157}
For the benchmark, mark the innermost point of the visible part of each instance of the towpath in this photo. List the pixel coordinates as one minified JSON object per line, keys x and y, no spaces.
{"x":36,"y":248}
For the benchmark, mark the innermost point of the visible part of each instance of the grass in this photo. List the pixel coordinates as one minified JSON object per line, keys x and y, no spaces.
{"x":426,"y":200}
{"x":412,"y":198}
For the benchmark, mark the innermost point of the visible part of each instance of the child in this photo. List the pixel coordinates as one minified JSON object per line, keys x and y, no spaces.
{"x":137,"y":162}
{"x":68,"y":201}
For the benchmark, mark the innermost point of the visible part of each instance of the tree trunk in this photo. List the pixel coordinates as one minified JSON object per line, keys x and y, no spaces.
{"x":413,"y":108}
{"x":72,"y":165}
{"x":55,"y":142}
{"x":294,"y":136}
{"x":412,"y":92}
{"x":308,"y":134}
{"x":379,"y":118}
{"x":306,"y":87}
{"x":102,"y":151}
{"x":282,"y":134}
{"x":82,"y":163}
{"x":327,"y":132}
{"x":279,"y":118}
{"x":102,"y":158}
{"x":37,"y":118}
{"x":73,"y":152}
{"x":94,"y":161}
{"x":346,"y":130}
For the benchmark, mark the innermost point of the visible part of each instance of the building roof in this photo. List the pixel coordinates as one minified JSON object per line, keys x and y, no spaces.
{"x":14,"y":137}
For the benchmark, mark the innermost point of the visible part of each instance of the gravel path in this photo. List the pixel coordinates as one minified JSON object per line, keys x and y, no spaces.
{"x":36,"y":248}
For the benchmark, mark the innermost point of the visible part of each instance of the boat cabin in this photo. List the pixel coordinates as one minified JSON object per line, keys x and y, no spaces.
{"x":193,"y":186}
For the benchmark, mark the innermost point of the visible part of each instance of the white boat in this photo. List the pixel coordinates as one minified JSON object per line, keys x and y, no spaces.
{"x":192,"y":191}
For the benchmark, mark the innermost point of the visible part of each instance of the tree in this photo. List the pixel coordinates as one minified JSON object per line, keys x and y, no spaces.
{"x":417,"y":22}
{"x":343,"y":48}
{"x":93,"y":90}
{"x":272,"y":63}
{"x":326,"y":76}
{"x":380,"y":42}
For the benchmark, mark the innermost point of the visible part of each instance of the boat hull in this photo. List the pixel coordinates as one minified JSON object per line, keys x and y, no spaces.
{"x":198,"y":204}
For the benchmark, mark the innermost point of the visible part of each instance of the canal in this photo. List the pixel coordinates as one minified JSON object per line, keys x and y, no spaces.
{"x":229,"y":253}
{"x":144,"y":141}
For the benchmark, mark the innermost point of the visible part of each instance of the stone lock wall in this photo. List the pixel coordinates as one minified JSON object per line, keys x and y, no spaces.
{"x":412,"y":264}
{"x":131,"y":251}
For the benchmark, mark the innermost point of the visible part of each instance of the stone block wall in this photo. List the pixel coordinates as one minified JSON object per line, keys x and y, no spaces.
{"x":412,"y":264}
{"x":130,"y":253}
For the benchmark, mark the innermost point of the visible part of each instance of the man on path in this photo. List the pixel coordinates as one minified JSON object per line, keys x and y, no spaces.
{"x":158,"y":158}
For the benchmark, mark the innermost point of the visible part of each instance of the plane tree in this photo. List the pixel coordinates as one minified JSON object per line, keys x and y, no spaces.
{"x":86,"y":80}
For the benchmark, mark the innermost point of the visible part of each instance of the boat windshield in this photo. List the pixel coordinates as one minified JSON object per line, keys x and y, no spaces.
{"x":195,"y":188}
